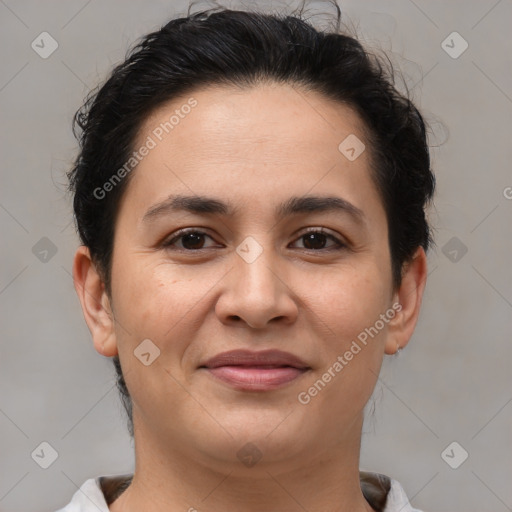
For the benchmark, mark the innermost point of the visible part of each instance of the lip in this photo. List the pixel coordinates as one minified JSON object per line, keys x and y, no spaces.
{"x":255,"y":371}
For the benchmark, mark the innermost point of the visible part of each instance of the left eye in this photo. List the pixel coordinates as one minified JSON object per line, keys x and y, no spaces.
{"x":193,"y":240}
{"x":318,"y":237}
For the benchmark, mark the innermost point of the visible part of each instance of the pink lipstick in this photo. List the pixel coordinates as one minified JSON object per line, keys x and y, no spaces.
{"x":255,"y":371}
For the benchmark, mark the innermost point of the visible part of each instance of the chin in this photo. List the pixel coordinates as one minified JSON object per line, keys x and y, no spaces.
{"x":273,"y":431}
{"x":254,"y":452}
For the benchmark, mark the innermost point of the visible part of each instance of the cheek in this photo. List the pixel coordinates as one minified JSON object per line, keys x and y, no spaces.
{"x":154,"y":304}
{"x":346,"y":310}
{"x":158,"y":303}
{"x":163,"y":302}
{"x":349,"y":301}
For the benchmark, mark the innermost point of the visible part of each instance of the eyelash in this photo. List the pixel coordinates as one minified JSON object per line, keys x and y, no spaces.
{"x":183,"y":232}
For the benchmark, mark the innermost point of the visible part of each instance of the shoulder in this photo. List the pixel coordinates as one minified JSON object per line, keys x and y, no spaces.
{"x":96,"y":494}
{"x":384,"y":493}
{"x":398,"y":500}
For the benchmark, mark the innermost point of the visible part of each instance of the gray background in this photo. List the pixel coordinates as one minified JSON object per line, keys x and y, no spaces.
{"x":453,"y":381}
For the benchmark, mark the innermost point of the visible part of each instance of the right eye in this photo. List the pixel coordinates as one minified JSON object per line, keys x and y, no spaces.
{"x":191,"y":240}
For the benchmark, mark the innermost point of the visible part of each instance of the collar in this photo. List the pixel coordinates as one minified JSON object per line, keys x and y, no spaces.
{"x":382,"y":492}
{"x":374,"y":486}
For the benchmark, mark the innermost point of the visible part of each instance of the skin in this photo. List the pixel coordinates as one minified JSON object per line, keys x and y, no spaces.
{"x":254,"y":148}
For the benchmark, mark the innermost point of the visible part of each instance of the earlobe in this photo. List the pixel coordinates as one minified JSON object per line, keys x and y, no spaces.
{"x":409,"y":296}
{"x":95,"y":303}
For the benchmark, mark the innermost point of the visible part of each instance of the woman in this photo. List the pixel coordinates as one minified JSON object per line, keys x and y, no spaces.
{"x":250,"y":196}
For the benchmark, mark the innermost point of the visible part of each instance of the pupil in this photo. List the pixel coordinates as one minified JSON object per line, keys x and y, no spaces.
{"x":189,"y":237}
{"x":310,"y":237}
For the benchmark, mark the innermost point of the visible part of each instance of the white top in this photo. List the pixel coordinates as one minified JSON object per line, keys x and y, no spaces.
{"x":90,"y":497}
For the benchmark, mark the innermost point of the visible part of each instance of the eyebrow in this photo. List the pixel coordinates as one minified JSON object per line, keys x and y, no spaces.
{"x":293,"y":206}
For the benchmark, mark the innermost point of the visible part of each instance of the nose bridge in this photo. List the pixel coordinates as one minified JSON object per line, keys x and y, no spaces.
{"x":255,"y":268}
{"x":256,"y":294}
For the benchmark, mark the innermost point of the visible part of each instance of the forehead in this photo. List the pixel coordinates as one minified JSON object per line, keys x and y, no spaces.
{"x":253,"y":114}
{"x":250,"y":143}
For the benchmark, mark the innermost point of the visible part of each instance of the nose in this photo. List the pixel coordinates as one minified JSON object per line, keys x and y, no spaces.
{"x":257,"y":293}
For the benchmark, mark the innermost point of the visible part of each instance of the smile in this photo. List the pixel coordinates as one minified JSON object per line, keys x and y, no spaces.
{"x":255,"y":371}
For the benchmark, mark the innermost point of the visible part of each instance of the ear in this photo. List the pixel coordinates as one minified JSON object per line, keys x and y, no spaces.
{"x":95,"y":303}
{"x":407,"y":301}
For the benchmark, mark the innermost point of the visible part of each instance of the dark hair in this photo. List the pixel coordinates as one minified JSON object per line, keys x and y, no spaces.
{"x":242,"y":48}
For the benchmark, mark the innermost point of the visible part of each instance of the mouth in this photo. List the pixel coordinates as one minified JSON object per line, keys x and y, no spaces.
{"x":245,"y":370}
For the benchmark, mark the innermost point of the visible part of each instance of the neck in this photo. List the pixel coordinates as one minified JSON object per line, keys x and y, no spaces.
{"x":315,"y":482}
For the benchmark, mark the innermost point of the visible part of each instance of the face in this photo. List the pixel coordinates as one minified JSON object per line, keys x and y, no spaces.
{"x":300,"y":289}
